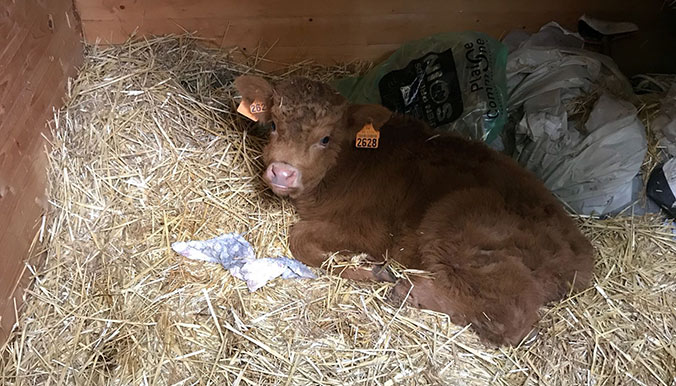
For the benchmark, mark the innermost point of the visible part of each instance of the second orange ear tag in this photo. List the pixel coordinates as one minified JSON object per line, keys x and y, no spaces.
{"x":248,"y":111}
{"x":368,"y":137}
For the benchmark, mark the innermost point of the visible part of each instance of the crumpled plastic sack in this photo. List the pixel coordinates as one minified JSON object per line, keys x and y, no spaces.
{"x":591,"y":172}
{"x":661,"y":186}
{"x":551,"y":34}
{"x":453,"y":81}
{"x":590,"y":165}
{"x":236,"y":255}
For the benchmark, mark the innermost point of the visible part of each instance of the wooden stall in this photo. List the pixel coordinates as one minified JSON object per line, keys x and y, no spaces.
{"x":289,"y":31}
{"x":41,"y":47}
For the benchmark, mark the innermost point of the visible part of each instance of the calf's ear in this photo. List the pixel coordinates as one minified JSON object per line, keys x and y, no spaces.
{"x":256,"y":95}
{"x":360,"y":115}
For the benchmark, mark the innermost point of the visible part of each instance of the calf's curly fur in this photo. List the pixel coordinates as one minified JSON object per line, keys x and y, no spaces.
{"x":498,"y":243}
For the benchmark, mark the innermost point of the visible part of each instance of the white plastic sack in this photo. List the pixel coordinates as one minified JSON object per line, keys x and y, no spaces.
{"x":592,"y":173}
{"x":589,"y":165}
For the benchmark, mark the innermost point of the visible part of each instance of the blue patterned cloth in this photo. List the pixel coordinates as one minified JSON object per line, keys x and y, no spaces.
{"x":236,"y":255}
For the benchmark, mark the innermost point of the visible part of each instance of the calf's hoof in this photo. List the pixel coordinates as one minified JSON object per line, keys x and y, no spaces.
{"x":383,"y":273}
{"x":402,"y":292}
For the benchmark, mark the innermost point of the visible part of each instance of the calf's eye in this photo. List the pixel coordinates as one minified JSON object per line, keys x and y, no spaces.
{"x":273,"y":127}
{"x":325,"y":141}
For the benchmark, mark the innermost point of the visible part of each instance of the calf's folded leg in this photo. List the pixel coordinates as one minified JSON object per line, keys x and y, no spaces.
{"x":312,"y":241}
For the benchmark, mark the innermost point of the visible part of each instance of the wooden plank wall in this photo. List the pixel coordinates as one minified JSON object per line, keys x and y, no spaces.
{"x":40,"y":47}
{"x":338,"y":30}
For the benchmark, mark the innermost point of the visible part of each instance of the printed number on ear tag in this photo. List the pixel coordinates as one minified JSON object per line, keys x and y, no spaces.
{"x":368,"y":137}
{"x":254,"y":108}
{"x":257,"y":107}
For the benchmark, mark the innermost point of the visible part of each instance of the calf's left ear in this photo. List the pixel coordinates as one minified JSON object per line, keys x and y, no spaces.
{"x":256,"y":95}
{"x":360,"y":115}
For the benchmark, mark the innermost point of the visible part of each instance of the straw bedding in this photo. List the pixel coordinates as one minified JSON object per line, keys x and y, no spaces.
{"x":148,"y":151}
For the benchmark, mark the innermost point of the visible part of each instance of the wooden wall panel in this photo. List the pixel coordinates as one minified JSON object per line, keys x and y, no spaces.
{"x":338,"y":30}
{"x":40,"y":47}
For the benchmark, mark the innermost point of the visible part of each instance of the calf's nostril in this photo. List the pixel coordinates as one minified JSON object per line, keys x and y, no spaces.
{"x":282,"y":174}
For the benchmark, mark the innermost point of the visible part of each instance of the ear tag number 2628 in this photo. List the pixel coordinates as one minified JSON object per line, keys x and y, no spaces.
{"x":368,"y":137}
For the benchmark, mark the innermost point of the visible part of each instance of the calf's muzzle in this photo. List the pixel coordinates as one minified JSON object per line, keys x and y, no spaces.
{"x":282,"y":176}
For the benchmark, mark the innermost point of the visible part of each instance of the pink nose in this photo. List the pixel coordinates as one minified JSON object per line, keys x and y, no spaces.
{"x":282,"y":175}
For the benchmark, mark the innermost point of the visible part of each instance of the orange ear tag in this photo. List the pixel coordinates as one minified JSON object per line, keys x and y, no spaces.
{"x":248,"y":111}
{"x":368,"y":137}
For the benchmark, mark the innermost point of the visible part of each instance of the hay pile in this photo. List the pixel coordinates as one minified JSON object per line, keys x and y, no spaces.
{"x":148,"y":151}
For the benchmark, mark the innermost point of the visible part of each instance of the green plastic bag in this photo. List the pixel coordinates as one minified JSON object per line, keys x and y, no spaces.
{"x":453,"y":81}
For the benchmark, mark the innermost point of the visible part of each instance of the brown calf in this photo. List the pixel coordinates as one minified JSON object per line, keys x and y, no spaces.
{"x":499,"y":244}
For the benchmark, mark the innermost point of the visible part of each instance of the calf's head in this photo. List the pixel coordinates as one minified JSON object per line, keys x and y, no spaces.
{"x":311,"y":123}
